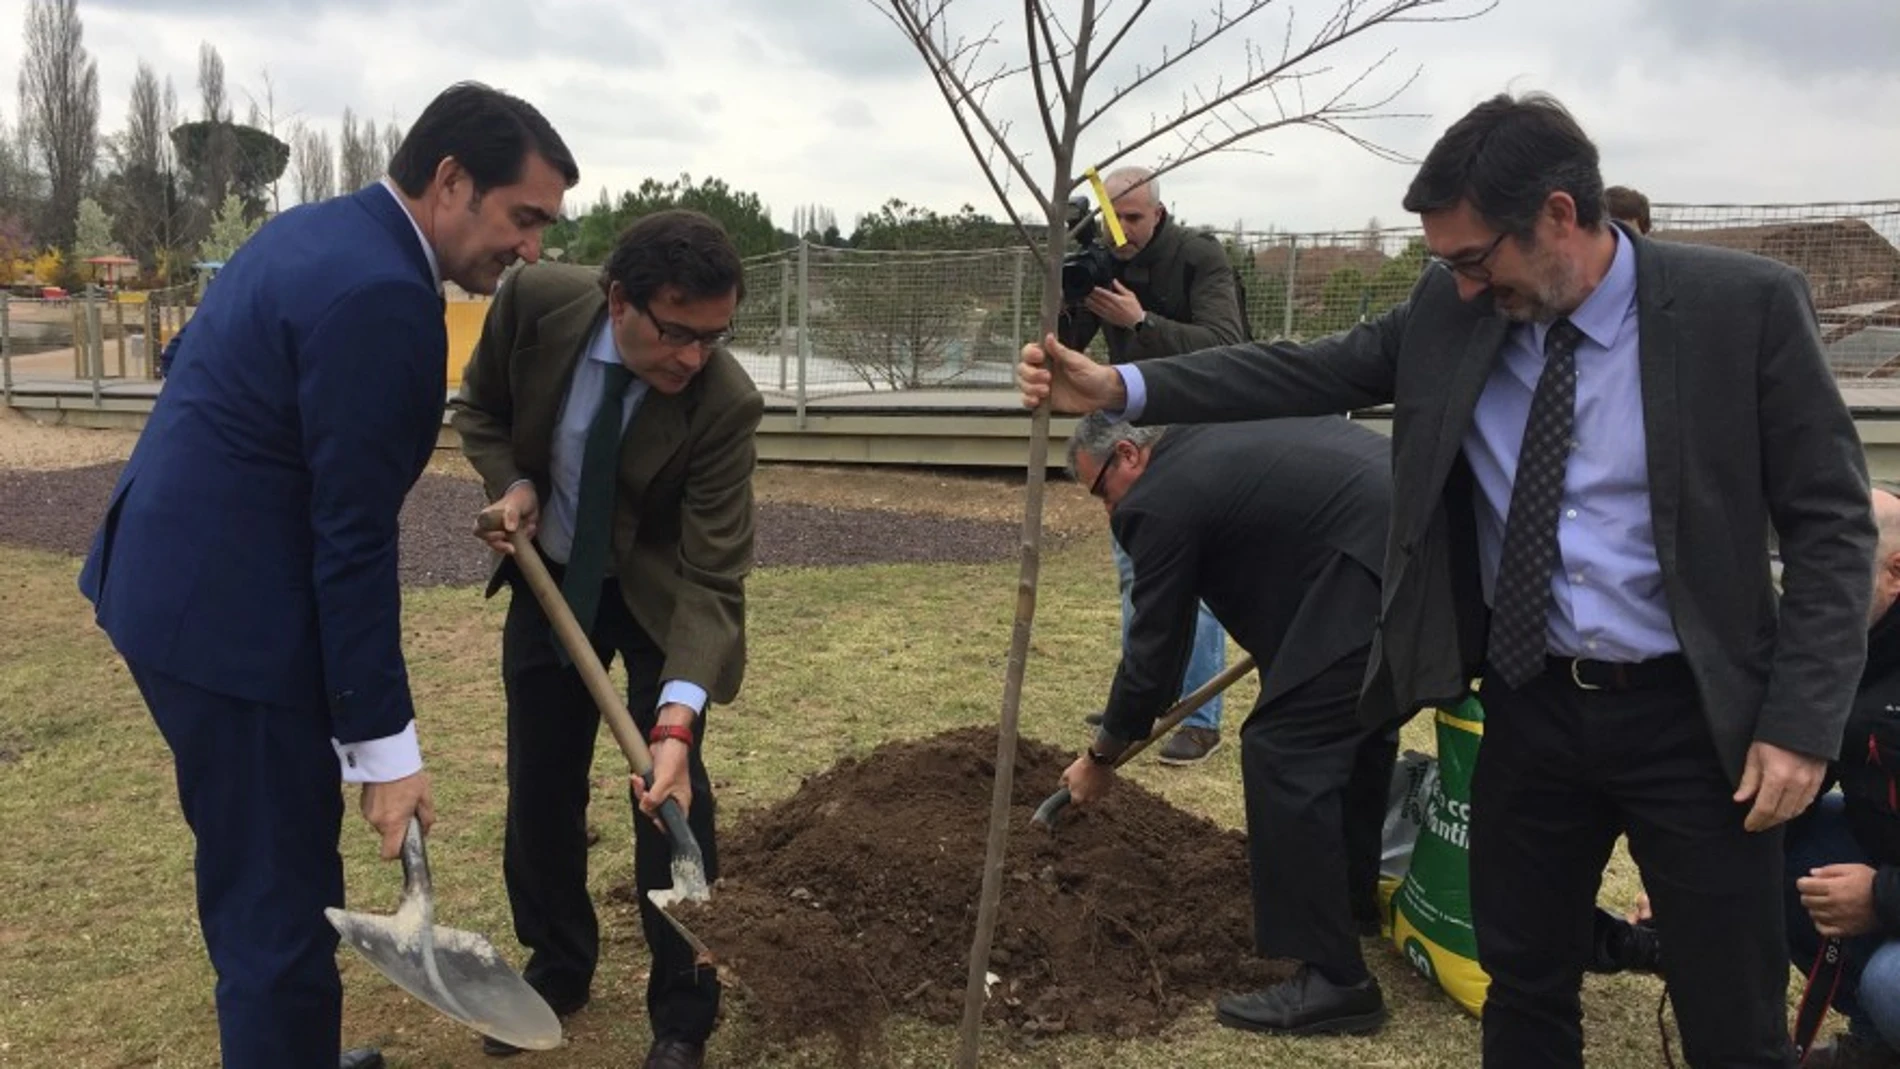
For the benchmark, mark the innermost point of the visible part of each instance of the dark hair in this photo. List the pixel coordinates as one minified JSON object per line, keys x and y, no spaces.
{"x":489,"y":132}
{"x":1627,"y":204}
{"x":1506,"y":157}
{"x":678,"y":248}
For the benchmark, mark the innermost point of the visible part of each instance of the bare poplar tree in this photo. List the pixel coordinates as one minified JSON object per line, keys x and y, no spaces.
{"x":356,"y":153}
{"x":220,"y":150}
{"x":265,"y":118}
{"x":144,"y":150}
{"x":59,"y":109}
{"x":1065,"y":56}
{"x":217,"y":107}
{"x":314,"y":161}
{"x":392,"y":140}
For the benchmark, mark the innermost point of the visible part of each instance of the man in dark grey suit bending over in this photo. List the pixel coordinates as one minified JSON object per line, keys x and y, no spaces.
{"x":1278,"y":527}
{"x":1592,"y":436}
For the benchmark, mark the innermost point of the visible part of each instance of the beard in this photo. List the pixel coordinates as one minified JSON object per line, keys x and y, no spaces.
{"x":1550,"y":292}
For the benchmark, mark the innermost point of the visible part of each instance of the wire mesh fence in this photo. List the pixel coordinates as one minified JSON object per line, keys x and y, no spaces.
{"x":819,"y":321}
{"x":823,"y":321}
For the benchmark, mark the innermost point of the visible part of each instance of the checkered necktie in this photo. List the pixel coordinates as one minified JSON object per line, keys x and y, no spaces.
{"x":1520,"y":602}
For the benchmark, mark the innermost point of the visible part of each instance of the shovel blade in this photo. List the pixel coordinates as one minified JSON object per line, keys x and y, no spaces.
{"x":457,"y":972}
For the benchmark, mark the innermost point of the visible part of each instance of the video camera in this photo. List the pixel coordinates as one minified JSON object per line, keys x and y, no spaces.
{"x":1091,"y":265}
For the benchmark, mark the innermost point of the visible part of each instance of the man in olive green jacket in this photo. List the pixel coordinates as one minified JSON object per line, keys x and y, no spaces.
{"x":607,"y":418}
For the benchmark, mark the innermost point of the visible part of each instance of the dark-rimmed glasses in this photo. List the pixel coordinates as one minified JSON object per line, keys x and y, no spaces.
{"x":679,"y":335}
{"x":1471,"y":267}
{"x":1101,"y":474}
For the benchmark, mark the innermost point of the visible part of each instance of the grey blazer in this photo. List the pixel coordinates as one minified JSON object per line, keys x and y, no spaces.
{"x":1744,"y":427}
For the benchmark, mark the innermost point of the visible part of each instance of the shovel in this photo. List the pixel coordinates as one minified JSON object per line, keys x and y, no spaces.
{"x":1052,"y":806}
{"x":457,"y":972}
{"x":688,"y":865}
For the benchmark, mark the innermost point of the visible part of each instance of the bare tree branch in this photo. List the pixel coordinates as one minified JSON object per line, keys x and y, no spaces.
{"x":1333,"y":33}
{"x":918,"y":32}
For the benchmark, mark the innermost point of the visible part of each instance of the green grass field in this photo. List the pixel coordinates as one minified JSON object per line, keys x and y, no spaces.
{"x":100,"y":959}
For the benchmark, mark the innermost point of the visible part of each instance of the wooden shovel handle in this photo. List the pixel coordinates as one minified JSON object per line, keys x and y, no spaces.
{"x":594,"y":675}
{"x":579,"y":650}
{"x":1053,"y":805}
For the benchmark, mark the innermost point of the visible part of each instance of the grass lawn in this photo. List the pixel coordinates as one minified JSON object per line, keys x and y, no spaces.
{"x":101,"y":964}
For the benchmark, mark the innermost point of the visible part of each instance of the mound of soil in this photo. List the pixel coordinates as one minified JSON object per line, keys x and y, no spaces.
{"x":856,"y":898}
{"x":59,"y":510}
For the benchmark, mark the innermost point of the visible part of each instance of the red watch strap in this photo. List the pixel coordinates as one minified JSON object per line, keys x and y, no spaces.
{"x":661,"y":732}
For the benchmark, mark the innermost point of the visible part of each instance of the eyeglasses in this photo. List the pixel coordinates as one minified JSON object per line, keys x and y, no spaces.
{"x":1101,"y":475}
{"x":680,"y":335}
{"x":1471,"y":267}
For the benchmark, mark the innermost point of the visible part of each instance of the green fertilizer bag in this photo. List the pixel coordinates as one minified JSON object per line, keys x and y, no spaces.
{"x":1431,"y":911}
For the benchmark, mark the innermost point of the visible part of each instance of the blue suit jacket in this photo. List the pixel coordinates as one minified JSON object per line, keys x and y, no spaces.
{"x":250,"y":546}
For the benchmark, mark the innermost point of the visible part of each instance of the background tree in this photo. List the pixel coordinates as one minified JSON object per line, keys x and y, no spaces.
{"x":142,"y":194}
{"x":213,"y":157}
{"x":357,"y":165}
{"x":248,"y":159}
{"x":59,"y":110}
{"x":586,"y":240}
{"x":1062,"y":59}
{"x":230,"y":228}
{"x":392,"y":140}
{"x":315,"y":161}
{"x":92,"y":231}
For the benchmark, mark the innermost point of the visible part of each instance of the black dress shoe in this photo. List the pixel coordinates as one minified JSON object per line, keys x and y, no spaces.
{"x":361,"y":1058}
{"x":497,"y":1048}
{"x":1306,"y":1004}
{"x":675,"y":1054}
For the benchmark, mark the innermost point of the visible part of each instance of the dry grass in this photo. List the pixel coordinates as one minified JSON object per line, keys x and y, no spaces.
{"x":101,"y":963}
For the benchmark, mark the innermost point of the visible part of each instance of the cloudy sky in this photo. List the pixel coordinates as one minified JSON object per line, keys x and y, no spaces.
{"x":823,"y":101}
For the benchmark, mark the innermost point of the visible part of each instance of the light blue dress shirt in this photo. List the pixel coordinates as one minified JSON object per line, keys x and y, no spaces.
{"x":556,"y":533}
{"x":1607,"y":600}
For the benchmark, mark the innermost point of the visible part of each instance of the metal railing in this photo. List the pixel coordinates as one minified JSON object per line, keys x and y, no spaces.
{"x":822,"y":322}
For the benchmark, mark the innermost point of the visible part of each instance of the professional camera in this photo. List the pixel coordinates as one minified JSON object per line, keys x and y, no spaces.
{"x":1091,"y":265}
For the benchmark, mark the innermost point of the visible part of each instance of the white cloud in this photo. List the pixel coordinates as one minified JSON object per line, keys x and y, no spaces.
{"x":824,"y":101}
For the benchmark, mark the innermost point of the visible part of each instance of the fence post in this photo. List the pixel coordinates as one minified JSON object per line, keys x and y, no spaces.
{"x":6,"y":347}
{"x":95,"y":346}
{"x":118,"y":319}
{"x":1292,"y":274}
{"x":804,"y":324}
{"x":1016,"y":300}
{"x":77,"y":312}
{"x":151,"y":334}
{"x":784,"y":317}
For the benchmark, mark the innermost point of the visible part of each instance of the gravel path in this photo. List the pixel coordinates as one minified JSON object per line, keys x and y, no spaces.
{"x":58,"y":511}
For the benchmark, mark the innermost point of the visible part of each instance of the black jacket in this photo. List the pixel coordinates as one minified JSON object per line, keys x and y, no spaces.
{"x":1186,"y":285}
{"x":1277,"y":526}
{"x":1869,"y":766}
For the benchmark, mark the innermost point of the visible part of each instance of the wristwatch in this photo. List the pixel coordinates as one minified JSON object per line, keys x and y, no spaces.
{"x":1146,"y":320}
{"x":1098,"y":758}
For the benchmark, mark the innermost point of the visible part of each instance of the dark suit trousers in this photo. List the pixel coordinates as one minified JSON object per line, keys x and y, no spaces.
{"x":552,"y":725}
{"x":1562,"y":771}
{"x":258,"y":786}
{"x":1316,"y":784}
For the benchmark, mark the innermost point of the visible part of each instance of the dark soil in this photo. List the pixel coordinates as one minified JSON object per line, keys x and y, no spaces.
{"x":58,"y":511}
{"x":856,"y":898}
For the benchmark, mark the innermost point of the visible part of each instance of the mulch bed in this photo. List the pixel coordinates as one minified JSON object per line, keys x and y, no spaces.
{"x":59,"y":510}
{"x":856,"y":898}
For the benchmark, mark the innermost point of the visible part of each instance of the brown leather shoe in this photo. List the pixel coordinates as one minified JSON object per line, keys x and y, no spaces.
{"x":1189,"y":746}
{"x":675,"y":1054}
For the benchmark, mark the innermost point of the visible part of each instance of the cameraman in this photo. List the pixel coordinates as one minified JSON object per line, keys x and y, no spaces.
{"x":1173,"y":292}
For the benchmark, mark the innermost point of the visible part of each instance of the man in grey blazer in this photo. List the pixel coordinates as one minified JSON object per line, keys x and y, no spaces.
{"x":1591,"y":542}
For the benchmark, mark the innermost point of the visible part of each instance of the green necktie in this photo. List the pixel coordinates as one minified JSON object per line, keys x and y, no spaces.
{"x":593,"y":515}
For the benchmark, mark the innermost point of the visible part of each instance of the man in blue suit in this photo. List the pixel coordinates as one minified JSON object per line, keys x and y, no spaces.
{"x":246,"y":567}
